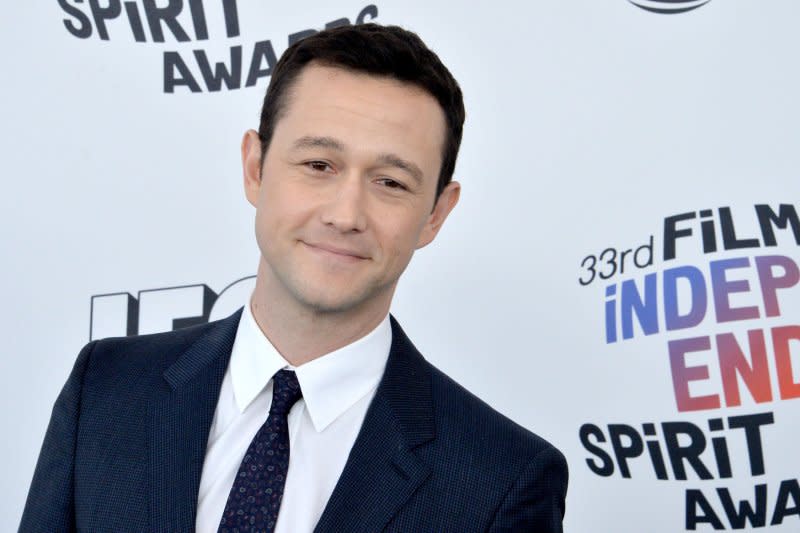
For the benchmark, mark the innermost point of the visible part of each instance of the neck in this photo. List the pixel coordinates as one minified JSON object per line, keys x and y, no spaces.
{"x":301,"y":333}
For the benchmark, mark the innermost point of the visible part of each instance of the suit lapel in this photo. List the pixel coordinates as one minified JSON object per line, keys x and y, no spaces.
{"x":382,"y":471}
{"x":180,"y":419}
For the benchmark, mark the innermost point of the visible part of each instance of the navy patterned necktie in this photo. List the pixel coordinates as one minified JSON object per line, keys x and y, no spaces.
{"x":255,"y":497}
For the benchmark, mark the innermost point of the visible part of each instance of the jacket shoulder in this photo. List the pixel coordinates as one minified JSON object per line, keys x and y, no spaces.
{"x":167,"y":340}
{"x":464,"y":419}
{"x":506,"y":475}
{"x":122,"y":359}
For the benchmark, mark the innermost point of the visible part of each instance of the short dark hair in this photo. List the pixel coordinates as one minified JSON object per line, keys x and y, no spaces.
{"x":370,"y":48}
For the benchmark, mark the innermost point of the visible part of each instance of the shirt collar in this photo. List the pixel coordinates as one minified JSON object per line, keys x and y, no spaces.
{"x":331,"y":383}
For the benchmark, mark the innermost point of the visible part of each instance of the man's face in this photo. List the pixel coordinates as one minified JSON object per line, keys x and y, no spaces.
{"x":346,"y":189}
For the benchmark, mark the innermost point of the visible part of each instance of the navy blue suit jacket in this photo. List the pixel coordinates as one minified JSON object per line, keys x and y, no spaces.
{"x":125,"y":446}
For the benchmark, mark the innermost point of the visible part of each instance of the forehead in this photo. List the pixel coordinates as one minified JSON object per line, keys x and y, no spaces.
{"x":364,"y":112}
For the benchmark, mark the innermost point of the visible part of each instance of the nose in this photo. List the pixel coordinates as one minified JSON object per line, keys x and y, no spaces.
{"x":345,"y":211}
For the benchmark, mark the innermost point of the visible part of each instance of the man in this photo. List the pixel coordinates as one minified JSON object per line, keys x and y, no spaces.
{"x":309,"y":409}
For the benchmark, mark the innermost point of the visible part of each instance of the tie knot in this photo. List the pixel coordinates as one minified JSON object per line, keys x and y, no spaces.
{"x":285,"y":392}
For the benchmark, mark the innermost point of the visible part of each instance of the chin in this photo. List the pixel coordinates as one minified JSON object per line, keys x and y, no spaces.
{"x":326,"y":301}
{"x":330,"y":305}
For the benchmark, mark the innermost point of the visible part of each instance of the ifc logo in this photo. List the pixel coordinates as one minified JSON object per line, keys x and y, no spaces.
{"x":669,"y":7}
{"x":121,"y":314}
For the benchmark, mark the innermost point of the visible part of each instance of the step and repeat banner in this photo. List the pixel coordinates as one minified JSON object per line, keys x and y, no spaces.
{"x":621,"y":276}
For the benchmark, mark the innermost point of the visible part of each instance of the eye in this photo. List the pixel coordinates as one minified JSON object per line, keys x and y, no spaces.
{"x":392,"y":184}
{"x":318,"y":166}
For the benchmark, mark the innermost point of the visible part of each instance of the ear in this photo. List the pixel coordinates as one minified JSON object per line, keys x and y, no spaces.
{"x":251,"y":165}
{"x":444,"y":204}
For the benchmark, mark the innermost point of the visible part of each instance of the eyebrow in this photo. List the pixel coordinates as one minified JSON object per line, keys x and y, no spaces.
{"x":309,"y":141}
{"x":387,"y":159}
{"x":398,"y":162}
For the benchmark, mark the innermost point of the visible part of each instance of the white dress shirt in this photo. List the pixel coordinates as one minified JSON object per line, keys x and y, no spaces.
{"x":337,"y":389}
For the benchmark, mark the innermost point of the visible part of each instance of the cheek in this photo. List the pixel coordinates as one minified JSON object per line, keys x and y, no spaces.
{"x":400,"y":244}
{"x":263,"y":231}
{"x":282,"y":208}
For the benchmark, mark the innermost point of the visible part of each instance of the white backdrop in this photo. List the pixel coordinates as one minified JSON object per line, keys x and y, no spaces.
{"x":589,"y":125}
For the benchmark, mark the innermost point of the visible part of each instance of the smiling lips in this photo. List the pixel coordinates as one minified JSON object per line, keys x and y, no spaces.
{"x":333,"y":251}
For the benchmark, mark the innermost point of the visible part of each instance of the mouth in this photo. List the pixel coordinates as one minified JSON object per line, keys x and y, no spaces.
{"x":335,"y":252}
